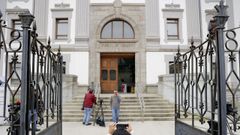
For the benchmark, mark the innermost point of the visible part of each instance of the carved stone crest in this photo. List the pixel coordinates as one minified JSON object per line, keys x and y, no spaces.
{"x":118,"y":7}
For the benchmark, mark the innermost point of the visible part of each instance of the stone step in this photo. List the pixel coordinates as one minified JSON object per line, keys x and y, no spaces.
{"x":124,"y":100}
{"x":156,"y":108}
{"x":123,"y":107}
{"x":131,"y":97}
{"x":132,"y":114}
{"x":122,"y":104}
{"x":109,"y":119}
{"x":124,"y":111}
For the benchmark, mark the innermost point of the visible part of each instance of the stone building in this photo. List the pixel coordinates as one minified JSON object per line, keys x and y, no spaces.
{"x":113,"y":41}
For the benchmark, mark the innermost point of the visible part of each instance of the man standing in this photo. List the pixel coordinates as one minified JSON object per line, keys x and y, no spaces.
{"x":88,"y":102}
{"x":115,"y":106}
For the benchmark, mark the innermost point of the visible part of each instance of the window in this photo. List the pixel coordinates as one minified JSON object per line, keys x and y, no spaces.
{"x":61,"y":28}
{"x":117,"y":29}
{"x":112,"y":74}
{"x":17,"y":25}
{"x":104,"y":74}
{"x":172,"y":29}
{"x":178,"y":67}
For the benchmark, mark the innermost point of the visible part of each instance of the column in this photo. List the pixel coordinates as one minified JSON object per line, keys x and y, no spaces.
{"x":82,"y":20}
{"x":41,"y":10}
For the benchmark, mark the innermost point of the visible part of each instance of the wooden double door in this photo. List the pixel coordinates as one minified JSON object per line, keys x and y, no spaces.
{"x":110,"y":71}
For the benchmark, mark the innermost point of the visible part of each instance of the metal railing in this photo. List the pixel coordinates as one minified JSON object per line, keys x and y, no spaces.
{"x":140,"y":89}
{"x":207,"y":87}
{"x":33,"y":77}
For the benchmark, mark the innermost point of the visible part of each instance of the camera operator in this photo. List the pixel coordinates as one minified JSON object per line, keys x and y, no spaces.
{"x":113,"y":130}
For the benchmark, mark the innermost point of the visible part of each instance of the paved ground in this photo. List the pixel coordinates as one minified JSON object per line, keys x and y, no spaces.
{"x":140,"y":128}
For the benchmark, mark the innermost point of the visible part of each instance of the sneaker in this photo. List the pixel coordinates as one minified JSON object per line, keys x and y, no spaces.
{"x":83,"y":123}
{"x":88,"y":124}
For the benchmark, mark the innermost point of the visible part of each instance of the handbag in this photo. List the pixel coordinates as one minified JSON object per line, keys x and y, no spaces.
{"x":100,"y":121}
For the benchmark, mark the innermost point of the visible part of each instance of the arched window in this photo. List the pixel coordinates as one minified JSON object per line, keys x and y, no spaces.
{"x":117,"y":29}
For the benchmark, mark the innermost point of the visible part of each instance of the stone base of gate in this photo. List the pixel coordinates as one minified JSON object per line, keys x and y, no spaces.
{"x":54,"y":129}
{"x":182,"y":128}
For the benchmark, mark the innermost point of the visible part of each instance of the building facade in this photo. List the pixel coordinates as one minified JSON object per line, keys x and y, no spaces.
{"x":113,"y":42}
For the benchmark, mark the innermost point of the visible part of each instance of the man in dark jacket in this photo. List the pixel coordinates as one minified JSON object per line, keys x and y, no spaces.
{"x":88,"y":102}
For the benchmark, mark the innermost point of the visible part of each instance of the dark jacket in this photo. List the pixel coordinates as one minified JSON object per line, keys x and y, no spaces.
{"x":89,"y":100}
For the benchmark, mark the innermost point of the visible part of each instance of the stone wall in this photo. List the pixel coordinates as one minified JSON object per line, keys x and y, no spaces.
{"x":166,"y":87}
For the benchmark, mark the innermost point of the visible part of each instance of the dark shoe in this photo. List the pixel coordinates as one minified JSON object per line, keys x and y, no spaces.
{"x":88,"y":124}
{"x":83,"y":123}
{"x":35,"y":129}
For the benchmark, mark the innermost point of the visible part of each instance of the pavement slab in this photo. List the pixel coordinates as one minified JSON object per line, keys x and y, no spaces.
{"x":140,"y":128}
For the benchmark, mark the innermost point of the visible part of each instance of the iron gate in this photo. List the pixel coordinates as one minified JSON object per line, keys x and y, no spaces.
{"x":33,"y":80}
{"x":207,"y":83}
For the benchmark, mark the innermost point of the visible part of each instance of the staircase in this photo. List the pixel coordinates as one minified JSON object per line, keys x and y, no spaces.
{"x":156,"y":108}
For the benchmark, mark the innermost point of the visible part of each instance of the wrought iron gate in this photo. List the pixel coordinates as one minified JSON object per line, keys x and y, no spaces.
{"x":33,"y":80}
{"x":207,"y":83}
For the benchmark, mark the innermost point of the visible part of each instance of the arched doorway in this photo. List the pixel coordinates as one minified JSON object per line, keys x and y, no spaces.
{"x":117,"y":69}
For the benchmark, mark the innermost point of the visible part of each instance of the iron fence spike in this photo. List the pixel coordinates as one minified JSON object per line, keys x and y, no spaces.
{"x":1,"y":14}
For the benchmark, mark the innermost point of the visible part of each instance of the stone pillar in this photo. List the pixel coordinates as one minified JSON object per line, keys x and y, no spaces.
{"x":152,"y":18}
{"x":193,"y":19}
{"x":221,"y":19}
{"x":41,"y":10}
{"x":26,"y":19}
{"x":82,"y":20}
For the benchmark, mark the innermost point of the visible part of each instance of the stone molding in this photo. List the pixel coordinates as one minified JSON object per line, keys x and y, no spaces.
{"x":81,"y":38}
{"x":62,"y":5}
{"x":18,"y":1}
{"x":172,"y":10}
{"x":172,"y":6}
{"x":211,"y":12}
{"x":117,"y":40}
{"x":153,"y":39}
{"x":16,"y":11}
{"x":166,"y":48}
{"x":123,"y":4}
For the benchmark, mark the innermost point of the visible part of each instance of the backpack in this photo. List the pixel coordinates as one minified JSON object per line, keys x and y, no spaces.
{"x":100,"y":121}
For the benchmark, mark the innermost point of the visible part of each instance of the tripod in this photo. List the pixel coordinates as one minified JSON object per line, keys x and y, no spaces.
{"x":99,"y":117}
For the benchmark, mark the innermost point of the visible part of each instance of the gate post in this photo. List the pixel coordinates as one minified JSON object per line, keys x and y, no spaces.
{"x":26,"y":19}
{"x":221,"y":19}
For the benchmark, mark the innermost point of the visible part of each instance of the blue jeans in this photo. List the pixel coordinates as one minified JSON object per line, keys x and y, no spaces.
{"x":87,"y":115}
{"x":115,"y":115}
{"x":35,"y":118}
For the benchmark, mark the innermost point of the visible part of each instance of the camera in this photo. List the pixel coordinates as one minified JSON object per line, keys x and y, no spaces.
{"x":122,"y":126}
